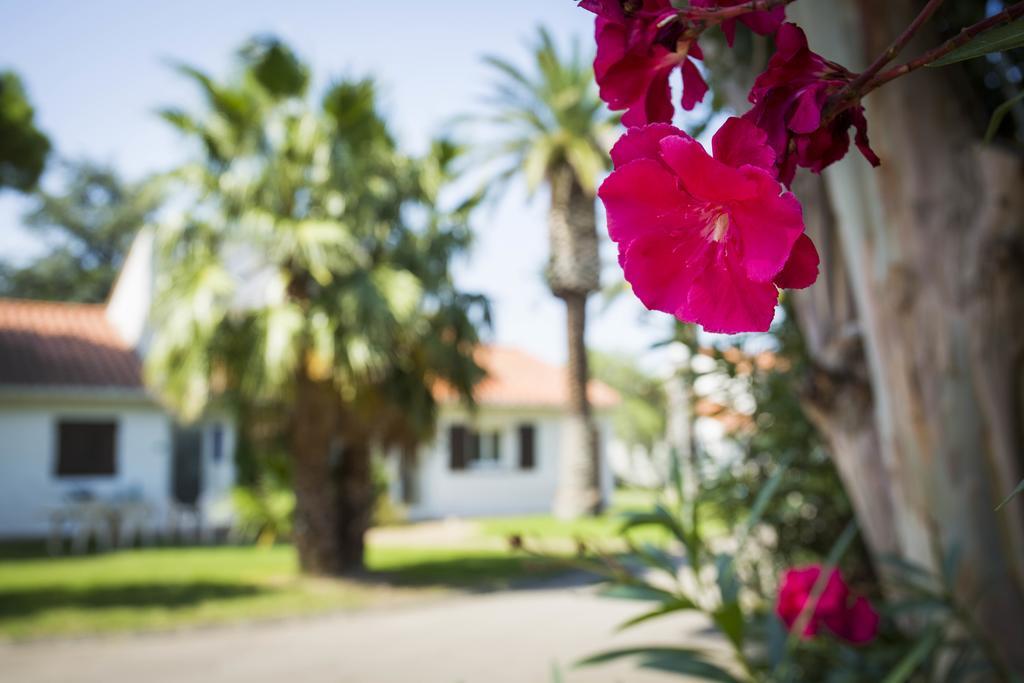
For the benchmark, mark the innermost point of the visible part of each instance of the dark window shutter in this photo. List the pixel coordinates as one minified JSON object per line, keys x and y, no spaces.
{"x":457,"y":447}
{"x":527,"y":447}
{"x":474,"y":446}
{"x":86,"y":448}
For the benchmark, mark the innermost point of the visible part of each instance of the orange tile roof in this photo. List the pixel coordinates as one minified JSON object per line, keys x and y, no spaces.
{"x":63,"y":344}
{"x":516,"y":378}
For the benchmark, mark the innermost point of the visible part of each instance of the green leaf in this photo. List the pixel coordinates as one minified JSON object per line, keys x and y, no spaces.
{"x":659,"y":517}
{"x":1005,"y":37}
{"x":672,"y":659}
{"x":993,"y":126}
{"x":729,"y":619}
{"x":678,"y":604}
{"x":842,"y":544}
{"x":1016,"y":492}
{"x":913,"y":659}
{"x":636,"y":592}
{"x":764,"y":497}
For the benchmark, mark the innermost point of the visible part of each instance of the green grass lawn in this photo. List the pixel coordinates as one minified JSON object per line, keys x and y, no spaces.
{"x":160,"y":588}
{"x":602,"y":530}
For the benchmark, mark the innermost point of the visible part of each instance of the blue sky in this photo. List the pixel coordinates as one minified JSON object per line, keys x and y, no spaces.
{"x":97,"y":70}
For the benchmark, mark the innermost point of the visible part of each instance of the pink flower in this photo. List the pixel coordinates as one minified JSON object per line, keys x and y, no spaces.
{"x":636,"y":55}
{"x":709,"y":239}
{"x":763,"y":23}
{"x":849,"y":617}
{"x":789,"y":99}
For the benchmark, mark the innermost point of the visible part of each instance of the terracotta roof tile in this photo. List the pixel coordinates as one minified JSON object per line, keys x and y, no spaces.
{"x":63,"y":344}
{"x":516,"y":378}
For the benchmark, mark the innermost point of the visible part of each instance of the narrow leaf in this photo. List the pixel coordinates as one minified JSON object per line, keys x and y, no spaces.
{"x":1005,"y":37}
{"x":1015,"y":493}
{"x":913,"y":659}
{"x":993,"y":126}
{"x":672,"y":659}
{"x":637,"y":592}
{"x":677,"y":605}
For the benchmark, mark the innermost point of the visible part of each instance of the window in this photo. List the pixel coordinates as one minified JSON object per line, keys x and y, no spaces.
{"x":527,"y":447}
{"x":488,"y":450}
{"x":470,"y":449}
{"x":86,"y":449}
{"x":218,"y":442}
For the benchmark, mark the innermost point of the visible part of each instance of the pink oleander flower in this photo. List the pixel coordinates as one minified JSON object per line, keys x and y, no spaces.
{"x":763,"y":23}
{"x":709,"y":239}
{"x":789,"y":99}
{"x":637,"y":52}
{"x":847,"y":616}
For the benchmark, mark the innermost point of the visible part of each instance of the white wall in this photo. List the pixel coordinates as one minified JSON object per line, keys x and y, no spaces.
{"x":503,"y":490}
{"x":132,"y":295}
{"x":29,"y":487}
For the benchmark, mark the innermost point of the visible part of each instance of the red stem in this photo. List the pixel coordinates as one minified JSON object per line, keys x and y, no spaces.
{"x":719,"y":14}
{"x":894,"y":49}
{"x":1009,"y":14}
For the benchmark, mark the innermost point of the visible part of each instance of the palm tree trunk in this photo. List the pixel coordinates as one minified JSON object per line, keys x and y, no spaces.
{"x":573,"y":273}
{"x":354,"y":491}
{"x":580,"y":484}
{"x":316,"y":506}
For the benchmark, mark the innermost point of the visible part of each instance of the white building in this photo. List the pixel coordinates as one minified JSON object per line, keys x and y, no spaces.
{"x":78,"y":427}
{"x":79,"y":430}
{"x":505,"y":457}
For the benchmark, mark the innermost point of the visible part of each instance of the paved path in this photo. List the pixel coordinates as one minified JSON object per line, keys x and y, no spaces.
{"x":509,"y":637}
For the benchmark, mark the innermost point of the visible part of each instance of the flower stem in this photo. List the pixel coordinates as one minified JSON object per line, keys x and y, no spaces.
{"x":715,"y":15}
{"x":891,"y":52}
{"x":1007,"y":15}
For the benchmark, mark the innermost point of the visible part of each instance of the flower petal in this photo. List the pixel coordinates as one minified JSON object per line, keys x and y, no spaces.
{"x":806,"y":116}
{"x":861,"y":125}
{"x":642,"y":197}
{"x":765,"y":23}
{"x":661,"y":268}
{"x":723,"y":299}
{"x":768,"y":226}
{"x":694,"y":85}
{"x":861,"y":622}
{"x":703,"y":176}
{"x":801,"y":270}
{"x":740,"y":142}
{"x":641,"y":142}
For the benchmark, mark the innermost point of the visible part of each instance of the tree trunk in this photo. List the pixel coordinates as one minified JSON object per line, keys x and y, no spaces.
{"x":837,"y":394}
{"x":579,"y":490}
{"x":932,"y":245}
{"x":332,"y":480}
{"x":573,"y":273}
{"x":316,"y":504}
{"x":355,"y":499}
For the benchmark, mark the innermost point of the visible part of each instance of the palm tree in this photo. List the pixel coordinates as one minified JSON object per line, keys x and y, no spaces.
{"x":554,"y":130}
{"x":310,"y":274}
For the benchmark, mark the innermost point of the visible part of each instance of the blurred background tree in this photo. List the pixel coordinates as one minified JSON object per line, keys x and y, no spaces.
{"x":23,"y":148}
{"x":553,"y":130}
{"x":89,"y":226}
{"x":639,"y":419}
{"x":310,"y":277}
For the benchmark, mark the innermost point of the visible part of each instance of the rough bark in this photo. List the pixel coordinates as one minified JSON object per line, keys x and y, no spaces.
{"x":332,"y":480}
{"x":573,"y":272}
{"x":837,"y":394}
{"x":316,"y":506}
{"x":579,"y":486}
{"x":933,"y":249}
{"x":354,"y":482}
{"x":574,"y":265}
